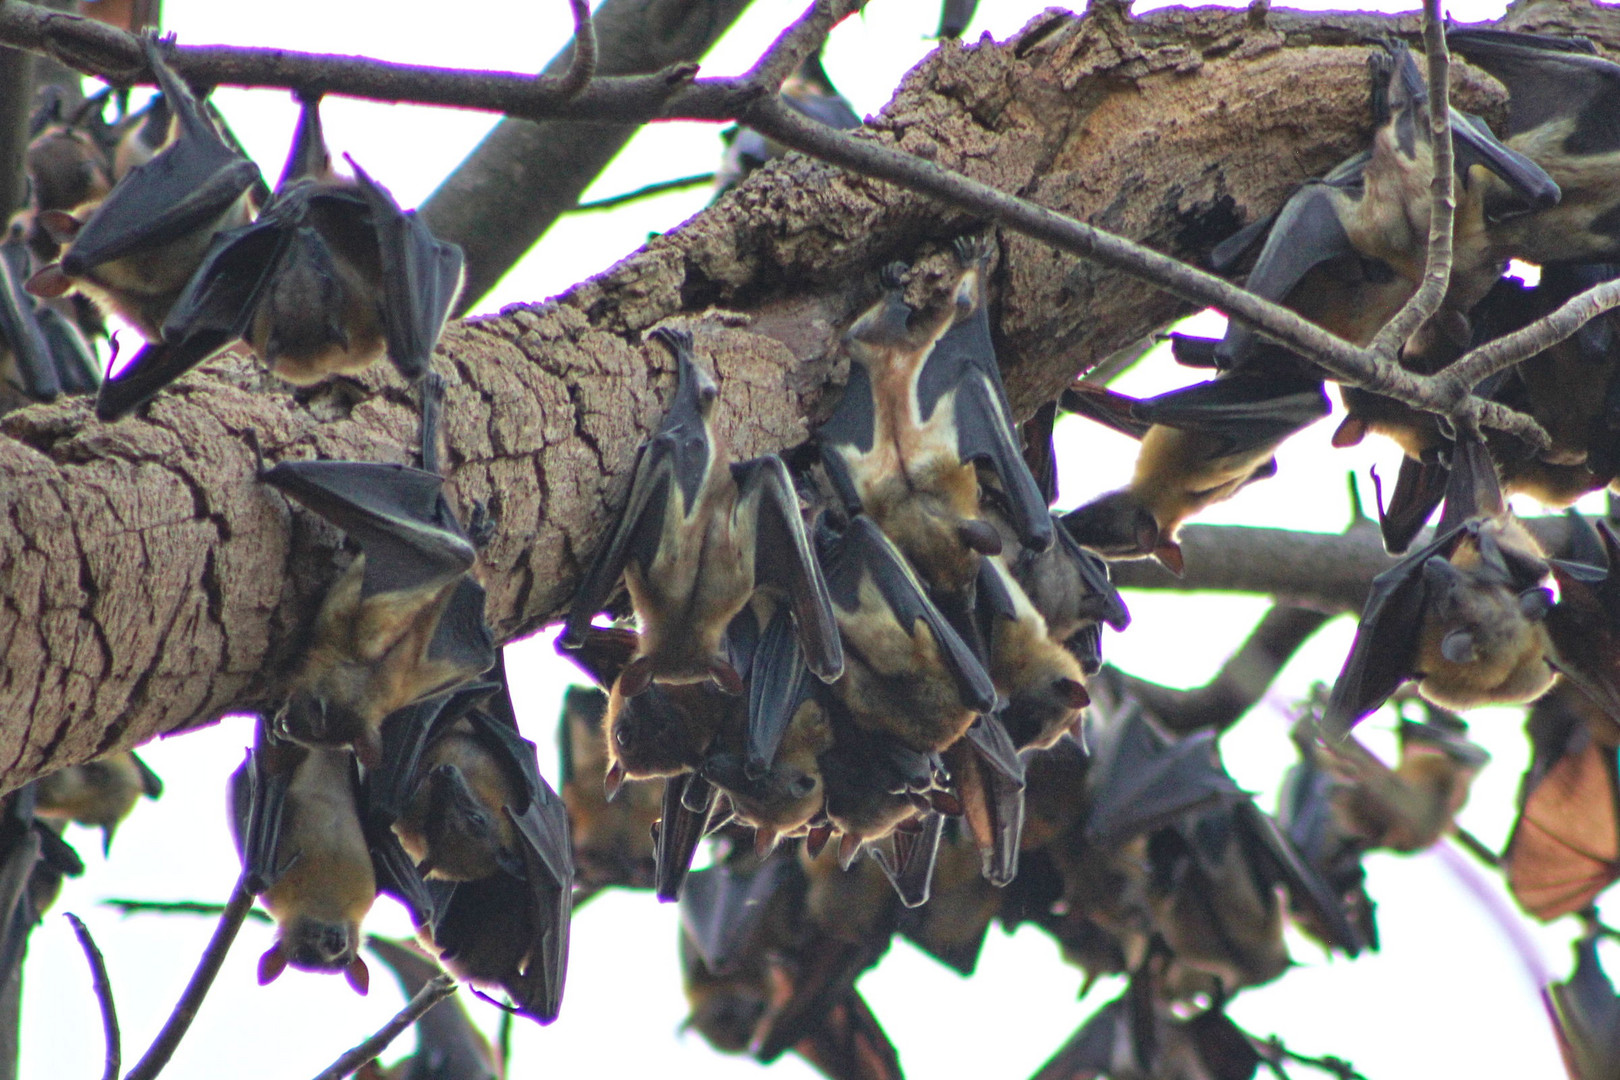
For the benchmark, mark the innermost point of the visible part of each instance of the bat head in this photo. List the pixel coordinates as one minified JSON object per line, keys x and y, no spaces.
{"x":1118,"y":526}
{"x":311,"y":944}
{"x":782,"y":800}
{"x":661,"y":731}
{"x":465,"y":832}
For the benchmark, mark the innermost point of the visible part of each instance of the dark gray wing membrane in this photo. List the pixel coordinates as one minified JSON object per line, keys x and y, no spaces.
{"x":396,"y":514}
{"x":853,"y":423}
{"x":1548,"y":80}
{"x":1140,"y":780}
{"x":907,"y":859}
{"x":678,"y":831}
{"x":1475,"y":145}
{"x":675,"y":461}
{"x":421,"y":275}
{"x":462,"y":637}
{"x":1243,"y":412}
{"x":20,"y":333}
{"x":778,"y":684}
{"x":723,"y":907}
{"x":1267,"y":842}
{"x":186,"y":187}
{"x":863,"y":550}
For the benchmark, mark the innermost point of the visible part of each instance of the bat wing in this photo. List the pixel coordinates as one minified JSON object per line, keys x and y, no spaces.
{"x":1243,"y":413}
{"x":1475,"y":145}
{"x":187,"y":187}
{"x":1270,"y":845}
{"x":1108,"y":407}
{"x":20,"y":333}
{"x":863,"y":551}
{"x":1586,"y":621}
{"x":1588,"y":1014}
{"x":396,"y":514}
{"x":954,"y":16}
{"x":679,"y":830}
{"x":1091,"y":1051}
{"x":778,"y":683}
{"x":1565,"y":846}
{"x":258,"y":797}
{"x":1419,"y":488}
{"x":673,"y":464}
{"x":1139,"y":780}
{"x":722,"y":908}
{"x":907,"y":859}
{"x":853,"y":424}
{"x":77,"y":368}
{"x":422,"y":278}
{"x":1549,"y":79}
{"x":1107,"y":605}
{"x":1224,"y":256}
{"x":602,"y":652}
{"x":783,"y":560}
{"x":991,"y":790}
{"x":1386,"y":644}
{"x":462,"y":645}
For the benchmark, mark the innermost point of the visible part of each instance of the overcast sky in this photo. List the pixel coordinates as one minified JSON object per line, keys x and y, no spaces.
{"x":1421,"y":1008}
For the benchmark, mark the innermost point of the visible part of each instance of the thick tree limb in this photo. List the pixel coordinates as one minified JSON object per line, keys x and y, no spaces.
{"x":149,"y":582}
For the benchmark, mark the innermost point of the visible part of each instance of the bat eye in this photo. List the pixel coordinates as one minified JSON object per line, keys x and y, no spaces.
{"x":1458,"y":647}
{"x":801,"y":786}
{"x":1534,"y":604}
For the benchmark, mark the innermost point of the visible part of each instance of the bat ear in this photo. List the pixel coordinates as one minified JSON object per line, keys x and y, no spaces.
{"x":764,"y":841}
{"x":817,"y":839}
{"x":636,"y":677}
{"x":613,"y":781}
{"x":358,"y":976}
{"x":272,"y":964}
{"x":368,"y":748}
{"x":1350,"y":432}
{"x":979,"y":536}
{"x":1072,"y":692}
{"x":1168,"y":552}
{"x":849,"y":846}
{"x":60,"y":225}
{"x":726,"y":677}
{"x":49,"y":282}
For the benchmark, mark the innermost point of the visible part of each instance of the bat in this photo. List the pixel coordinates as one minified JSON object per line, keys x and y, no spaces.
{"x":1140,"y":780}
{"x":1410,"y":807}
{"x":98,"y":793}
{"x":1588,"y":1014}
{"x":786,"y":798}
{"x":1307,"y":816}
{"x":612,"y":840}
{"x":1564,"y":849}
{"x":448,"y":1045}
{"x":908,"y":673}
{"x":871,"y":784}
{"x":1466,"y":614}
{"x":25,"y":354}
{"x":688,"y":814}
{"x":1069,"y":587}
{"x":68,"y":163}
{"x":136,"y":252}
{"x":907,"y":857}
{"x":484,"y":824}
{"x":33,"y":860}
{"x":1561,"y":98}
{"x":731,"y":908}
{"x":922,"y":413}
{"x":954,"y":16}
{"x":403,"y":622}
{"x":1585,"y":624}
{"x":304,"y":853}
{"x":331,"y":277}
{"x":848,"y":1043}
{"x":988,"y":776}
{"x":1347,"y":251}
{"x":696,"y":539}
{"x":1043,"y":681}
{"x":952,"y":925}
{"x":1200,"y":445}
{"x":808,"y":92}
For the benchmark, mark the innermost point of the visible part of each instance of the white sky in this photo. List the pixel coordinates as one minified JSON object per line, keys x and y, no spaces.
{"x":1446,"y":997}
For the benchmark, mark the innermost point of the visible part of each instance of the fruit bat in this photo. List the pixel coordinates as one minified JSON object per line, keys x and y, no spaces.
{"x":612,"y":840}
{"x":1565,"y":846}
{"x":68,"y":162}
{"x":331,"y":277}
{"x":144,"y":241}
{"x":1585,"y":625}
{"x":1410,"y":807}
{"x":1347,"y":251}
{"x":1588,"y":1015}
{"x":697,"y":537}
{"x":1306,"y":815}
{"x":785,"y":798}
{"x":908,"y":674}
{"x":1561,"y":103}
{"x":404,"y":622}
{"x":33,"y":860}
{"x":808,"y":92}
{"x":1070,"y":588}
{"x":871,"y":783}
{"x":1043,"y":682}
{"x":952,"y":925}
{"x":304,"y":853}
{"x":448,"y":1045}
{"x":1200,"y":446}
{"x":923,"y":404}
{"x":1466,"y":614}
{"x":97,"y":793}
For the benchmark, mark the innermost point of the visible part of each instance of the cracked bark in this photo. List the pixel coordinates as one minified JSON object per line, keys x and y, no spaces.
{"x":150,"y":583}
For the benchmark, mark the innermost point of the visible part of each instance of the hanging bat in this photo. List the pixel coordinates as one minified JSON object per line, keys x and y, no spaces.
{"x":144,"y":241}
{"x":952,"y":925}
{"x":730,"y":909}
{"x":785,"y":799}
{"x":1306,"y":815}
{"x":1561,"y":97}
{"x":1200,"y":445}
{"x":1410,"y":807}
{"x":1588,"y":1014}
{"x":696,"y":539}
{"x":871,"y":784}
{"x":98,"y":793}
{"x":690,"y":804}
{"x":448,"y":1045}
{"x":304,"y":853}
{"x":331,"y":277}
{"x":1347,"y":251}
{"x":1466,"y":614}
{"x":612,"y":840}
{"x":908,"y":673}
{"x":923,"y":404}
{"x":1043,"y":682}
{"x":404,"y":622}
{"x":1564,"y":849}
{"x":808,"y":92}
{"x":67,"y":162}
{"x":988,"y":777}
{"x":1069,"y":587}
{"x":33,"y":860}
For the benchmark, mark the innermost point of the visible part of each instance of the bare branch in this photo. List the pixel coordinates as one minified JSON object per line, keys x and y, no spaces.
{"x":1509,"y":349}
{"x":178,"y":907}
{"x":798,"y":42}
{"x":191,"y":999}
{"x":663,"y":187}
{"x":104,"y":996}
{"x":582,"y":67}
{"x":1426,"y":301}
{"x":437,"y":989}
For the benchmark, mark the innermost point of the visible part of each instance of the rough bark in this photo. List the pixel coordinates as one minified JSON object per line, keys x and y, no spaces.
{"x":150,"y":583}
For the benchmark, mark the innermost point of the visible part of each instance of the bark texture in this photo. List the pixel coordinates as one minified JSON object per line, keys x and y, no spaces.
{"x":150,"y":583}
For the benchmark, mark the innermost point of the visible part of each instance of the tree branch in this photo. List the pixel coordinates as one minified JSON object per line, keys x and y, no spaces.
{"x":437,"y":989}
{"x":646,"y":191}
{"x":104,"y":995}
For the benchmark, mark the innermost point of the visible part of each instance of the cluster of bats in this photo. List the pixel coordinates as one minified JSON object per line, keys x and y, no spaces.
{"x":863,"y":666}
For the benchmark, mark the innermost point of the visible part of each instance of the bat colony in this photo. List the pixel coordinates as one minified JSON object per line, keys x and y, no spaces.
{"x":882,"y":644}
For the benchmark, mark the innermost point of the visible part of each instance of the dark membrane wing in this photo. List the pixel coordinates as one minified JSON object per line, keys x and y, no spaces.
{"x":20,"y":333}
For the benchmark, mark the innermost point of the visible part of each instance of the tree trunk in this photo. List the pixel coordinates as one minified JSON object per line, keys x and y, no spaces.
{"x":150,"y":583}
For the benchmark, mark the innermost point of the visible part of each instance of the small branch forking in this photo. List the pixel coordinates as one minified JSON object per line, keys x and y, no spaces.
{"x":104,"y":996}
{"x":582,"y":67}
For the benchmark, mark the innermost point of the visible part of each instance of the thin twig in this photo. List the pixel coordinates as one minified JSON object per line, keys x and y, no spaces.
{"x":797,"y":43}
{"x":646,"y":192}
{"x":191,"y":999}
{"x":178,"y":907}
{"x":104,"y":996}
{"x":1431,"y":293}
{"x":1475,"y":846}
{"x":1502,"y":353}
{"x":582,"y":67}
{"x":436,"y":990}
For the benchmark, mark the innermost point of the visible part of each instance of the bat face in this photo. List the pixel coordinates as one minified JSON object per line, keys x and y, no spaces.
{"x":665,"y":730}
{"x":454,"y":825}
{"x":99,"y":793}
{"x":788,"y":795}
{"x":612,"y":840}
